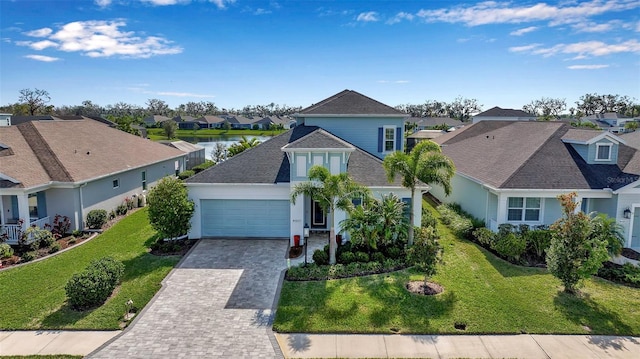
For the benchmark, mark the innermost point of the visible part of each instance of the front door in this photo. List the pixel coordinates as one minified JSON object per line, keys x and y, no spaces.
{"x":635,"y":231}
{"x":318,"y":217}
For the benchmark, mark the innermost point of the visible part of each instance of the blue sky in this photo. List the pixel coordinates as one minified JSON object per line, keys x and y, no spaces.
{"x":250,"y":52}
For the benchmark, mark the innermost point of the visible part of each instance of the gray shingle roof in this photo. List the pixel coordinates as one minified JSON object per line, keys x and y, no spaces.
{"x":532,"y":155}
{"x":503,"y":112}
{"x":349,"y":102}
{"x":319,"y":139}
{"x":267,"y":163}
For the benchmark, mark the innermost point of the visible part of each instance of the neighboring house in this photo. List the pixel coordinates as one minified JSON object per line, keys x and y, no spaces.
{"x":210,"y":121}
{"x":511,"y":172}
{"x":503,"y":114}
{"x":70,"y":167}
{"x":427,"y":123}
{"x":609,"y":121}
{"x":195,"y":153}
{"x":155,"y":120}
{"x":249,"y":194}
{"x":16,"y":120}
{"x":422,"y":135}
{"x":5,"y":119}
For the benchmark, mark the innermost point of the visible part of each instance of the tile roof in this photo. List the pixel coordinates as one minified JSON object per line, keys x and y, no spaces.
{"x":532,"y":155}
{"x":74,"y":151}
{"x":503,"y":112}
{"x":349,"y":102}
{"x":267,"y":163}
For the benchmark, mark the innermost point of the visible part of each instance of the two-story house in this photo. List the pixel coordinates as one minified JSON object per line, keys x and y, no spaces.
{"x":512,"y":171}
{"x":249,"y":195}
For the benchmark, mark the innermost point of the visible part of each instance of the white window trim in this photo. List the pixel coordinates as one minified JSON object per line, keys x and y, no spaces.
{"x":118,"y":183}
{"x":384,"y":138}
{"x":523,"y":211}
{"x":598,"y":145}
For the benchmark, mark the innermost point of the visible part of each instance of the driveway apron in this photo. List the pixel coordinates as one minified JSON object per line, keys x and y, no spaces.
{"x":218,"y":302}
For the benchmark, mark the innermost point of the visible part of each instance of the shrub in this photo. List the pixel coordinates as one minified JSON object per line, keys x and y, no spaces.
{"x":320,"y":257}
{"x":203,"y":166}
{"x":395,"y":252}
{"x":428,"y":220}
{"x":5,"y":250}
{"x":484,"y":236}
{"x":425,"y":252}
{"x":72,"y":240}
{"x":28,"y":256}
{"x":112,"y":214}
{"x":61,"y":225}
{"x":186,"y":174}
{"x":170,"y":208}
{"x":627,"y":273}
{"x":362,"y":257}
{"x":378,"y":257}
{"x":54,"y":247}
{"x":346,"y":257}
{"x":95,"y":284}
{"x":96,"y":218}
{"x":129,"y":202}
{"x":538,"y":241}
{"x":122,"y":209}
{"x":510,"y":246}
{"x":77,"y":233}
{"x":460,"y":222}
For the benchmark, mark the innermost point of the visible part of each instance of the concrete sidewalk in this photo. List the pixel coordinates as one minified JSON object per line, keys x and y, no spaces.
{"x":50,"y":342}
{"x":458,"y":346}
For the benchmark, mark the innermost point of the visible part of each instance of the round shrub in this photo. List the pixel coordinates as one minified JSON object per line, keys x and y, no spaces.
{"x":54,"y":247}
{"x":5,"y":250}
{"x":510,"y":246}
{"x":320,"y":257}
{"x":362,"y":257}
{"x":347,"y":257}
{"x":95,"y":284}
{"x":394,"y":252}
{"x":28,"y":256}
{"x":96,"y":218}
{"x":484,"y":236}
{"x":378,"y":257}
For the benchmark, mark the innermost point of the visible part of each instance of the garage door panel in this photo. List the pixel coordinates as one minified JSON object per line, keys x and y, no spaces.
{"x":245,"y":218}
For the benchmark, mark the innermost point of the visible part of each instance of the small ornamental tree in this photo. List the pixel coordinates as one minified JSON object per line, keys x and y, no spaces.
{"x":575,"y":252}
{"x":170,"y":208}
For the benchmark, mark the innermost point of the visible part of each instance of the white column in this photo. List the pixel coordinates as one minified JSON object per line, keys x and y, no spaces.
{"x":417,"y":208}
{"x":297,"y":220}
{"x":502,"y":208}
{"x":23,"y":210}
{"x":1,"y":210}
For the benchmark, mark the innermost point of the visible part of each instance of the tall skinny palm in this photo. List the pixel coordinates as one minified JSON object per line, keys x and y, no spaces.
{"x":332,"y":192}
{"x":425,"y":163}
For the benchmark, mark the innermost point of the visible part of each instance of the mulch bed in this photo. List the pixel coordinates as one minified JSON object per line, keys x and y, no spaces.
{"x":64,"y":243}
{"x":295,"y":252}
{"x":419,"y":287}
{"x":173,"y":248}
{"x":630,"y":253}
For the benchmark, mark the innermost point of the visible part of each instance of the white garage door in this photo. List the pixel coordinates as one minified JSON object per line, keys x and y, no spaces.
{"x":245,"y":218}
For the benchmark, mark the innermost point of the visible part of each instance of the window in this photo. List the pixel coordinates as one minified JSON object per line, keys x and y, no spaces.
{"x":33,"y":205}
{"x":406,"y":209}
{"x":389,"y":139}
{"x":334,"y":165}
{"x":523,"y":209}
{"x":603,"y":151}
{"x":144,"y":180}
{"x":301,"y":166}
{"x":116,"y":183}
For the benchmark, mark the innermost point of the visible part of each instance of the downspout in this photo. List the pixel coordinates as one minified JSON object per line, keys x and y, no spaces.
{"x":81,"y":227}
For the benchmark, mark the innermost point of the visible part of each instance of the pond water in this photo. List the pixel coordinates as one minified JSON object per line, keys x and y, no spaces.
{"x":209,"y":143}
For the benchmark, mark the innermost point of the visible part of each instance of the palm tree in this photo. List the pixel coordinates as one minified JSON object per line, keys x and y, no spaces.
{"x":332,"y":192}
{"x":424,"y":163}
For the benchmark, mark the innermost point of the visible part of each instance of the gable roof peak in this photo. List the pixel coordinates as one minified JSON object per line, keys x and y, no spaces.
{"x":349,"y":102}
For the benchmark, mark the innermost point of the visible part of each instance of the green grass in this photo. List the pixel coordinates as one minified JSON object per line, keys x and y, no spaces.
{"x":33,"y":296}
{"x":488,"y":294}
{"x":157,"y":134}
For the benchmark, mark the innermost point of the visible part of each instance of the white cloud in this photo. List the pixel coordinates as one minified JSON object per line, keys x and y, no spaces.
{"x":492,"y":12}
{"x":524,"y":48}
{"x":587,"y":67}
{"x":638,"y":27}
{"x":219,"y":3}
{"x":261,"y":11}
{"x":42,"y":58}
{"x":370,"y":16}
{"x":44,"y":32}
{"x":400,"y":17}
{"x":523,"y":31}
{"x":103,"y":39}
{"x":103,"y":3}
{"x":594,"y":27}
{"x":581,"y":49}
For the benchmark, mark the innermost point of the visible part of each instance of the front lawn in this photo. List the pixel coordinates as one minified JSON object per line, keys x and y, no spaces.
{"x":33,"y":296}
{"x":482,"y":292}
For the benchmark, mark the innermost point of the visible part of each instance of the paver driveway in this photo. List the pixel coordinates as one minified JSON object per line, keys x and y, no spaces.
{"x":218,"y":302}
